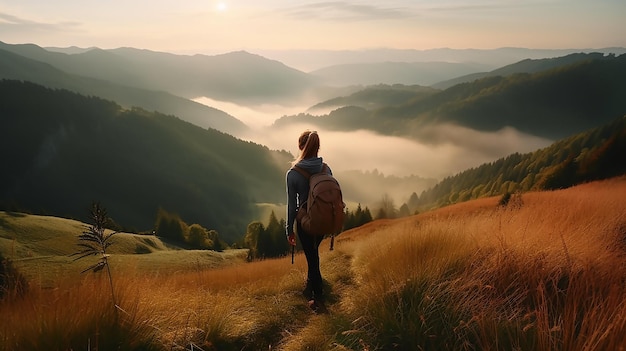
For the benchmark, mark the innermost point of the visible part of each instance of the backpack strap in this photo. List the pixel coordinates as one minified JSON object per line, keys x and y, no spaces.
{"x":325,"y":168}
{"x":306,"y":174}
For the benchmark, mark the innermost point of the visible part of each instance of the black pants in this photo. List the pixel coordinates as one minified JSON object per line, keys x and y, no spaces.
{"x":310,"y":245}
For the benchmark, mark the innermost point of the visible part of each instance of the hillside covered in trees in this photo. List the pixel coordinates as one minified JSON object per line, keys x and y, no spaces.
{"x":592,"y":155}
{"x":64,"y":151}
{"x":554,"y":103}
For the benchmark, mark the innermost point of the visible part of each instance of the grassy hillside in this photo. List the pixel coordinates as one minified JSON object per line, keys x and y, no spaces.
{"x":68,"y":151}
{"x":40,"y":248}
{"x":546,"y":275}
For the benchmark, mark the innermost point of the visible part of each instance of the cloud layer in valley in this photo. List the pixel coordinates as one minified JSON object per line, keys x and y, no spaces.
{"x":453,"y":150}
{"x":441,"y":151}
{"x":371,"y":165}
{"x":255,"y":117}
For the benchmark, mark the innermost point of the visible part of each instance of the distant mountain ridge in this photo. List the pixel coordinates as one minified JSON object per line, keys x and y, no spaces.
{"x":524,"y":66}
{"x":165,"y":82}
{"x":407,"y":73}
{"x":248,"y":78}
{"x":554,"y":103}
{"x":238,"y":76}
{"x":15,"y":66}
{"x":311,"y":60}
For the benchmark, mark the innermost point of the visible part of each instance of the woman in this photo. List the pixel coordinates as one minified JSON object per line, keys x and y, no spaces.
{"x":297,"y":194}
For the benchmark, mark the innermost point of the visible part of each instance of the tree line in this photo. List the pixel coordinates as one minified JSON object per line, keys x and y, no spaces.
{"x":270,"y":241}
{"x":172,"y":228}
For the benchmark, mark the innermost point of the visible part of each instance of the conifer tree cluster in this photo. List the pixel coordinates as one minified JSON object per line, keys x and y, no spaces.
{"x":171,"y":227}
{"x":266,"y":242}
{"x":357,"y":218}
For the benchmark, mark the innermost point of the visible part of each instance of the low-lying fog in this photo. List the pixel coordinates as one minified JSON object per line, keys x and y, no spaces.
{"x":444,"y":150}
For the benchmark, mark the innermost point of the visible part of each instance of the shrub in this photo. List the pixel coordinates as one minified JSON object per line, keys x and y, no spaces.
{"x":12,"y":282}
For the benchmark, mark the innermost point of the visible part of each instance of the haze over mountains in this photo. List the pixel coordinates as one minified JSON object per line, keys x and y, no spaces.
{"x":311,"y":60}
{"x":389,"y":126}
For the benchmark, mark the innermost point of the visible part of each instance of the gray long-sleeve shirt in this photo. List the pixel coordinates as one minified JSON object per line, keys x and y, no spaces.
{"x":298,"y":187}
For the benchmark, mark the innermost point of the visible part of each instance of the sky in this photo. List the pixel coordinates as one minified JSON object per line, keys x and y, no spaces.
{"x":210,"y":26}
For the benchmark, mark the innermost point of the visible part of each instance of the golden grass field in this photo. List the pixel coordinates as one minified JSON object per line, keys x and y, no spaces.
{"x":547,"y":275}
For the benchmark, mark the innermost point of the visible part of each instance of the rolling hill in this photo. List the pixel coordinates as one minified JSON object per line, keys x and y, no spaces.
{"x":68,"y":150}
{"x":43,"y":245}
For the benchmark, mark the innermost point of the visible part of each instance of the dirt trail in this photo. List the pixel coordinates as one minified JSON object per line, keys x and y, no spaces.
{"x":317,"y":330}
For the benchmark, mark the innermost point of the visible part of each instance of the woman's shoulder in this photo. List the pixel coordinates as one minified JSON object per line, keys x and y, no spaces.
{"x":292,"y":173}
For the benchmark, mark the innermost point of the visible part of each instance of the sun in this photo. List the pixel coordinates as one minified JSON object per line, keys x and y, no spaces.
{"x":221,"y":6}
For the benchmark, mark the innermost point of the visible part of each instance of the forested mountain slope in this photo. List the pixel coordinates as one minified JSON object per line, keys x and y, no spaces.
{"x":593,"y":155}
{"x":523,"y":66}
{"x":378,"y":96}
{"x":237,"y":76}
{"x":65,"y":150}
{"x":14,"y":66}
{"x":553,"y":104}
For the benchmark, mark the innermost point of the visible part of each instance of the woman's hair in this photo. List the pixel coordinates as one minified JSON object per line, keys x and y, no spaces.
{"x":309,"y":145}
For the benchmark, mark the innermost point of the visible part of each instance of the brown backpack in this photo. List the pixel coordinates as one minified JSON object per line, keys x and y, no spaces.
{"x":322,"y":213}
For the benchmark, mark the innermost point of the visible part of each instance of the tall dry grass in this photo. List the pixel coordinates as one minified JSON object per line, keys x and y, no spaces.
{"x":548,"y":275}
{"x":73,"y":317}
{"x":217,"y":309}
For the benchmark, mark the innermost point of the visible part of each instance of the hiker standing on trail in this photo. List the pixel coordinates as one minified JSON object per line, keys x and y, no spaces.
{"x":297,"y":194}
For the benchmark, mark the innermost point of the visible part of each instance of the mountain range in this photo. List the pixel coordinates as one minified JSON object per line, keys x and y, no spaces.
{"x":166,"y":82}
{"x":14,"y":66}
{"x":119,"y":126}
{"x":551,"y":98}
{"x":236,"y":76}
{"x":312,"y":60}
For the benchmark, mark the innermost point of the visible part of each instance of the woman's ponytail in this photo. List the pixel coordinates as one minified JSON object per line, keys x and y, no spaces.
{"x":309,"y":145}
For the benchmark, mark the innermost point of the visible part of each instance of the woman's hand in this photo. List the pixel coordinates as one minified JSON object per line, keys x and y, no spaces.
{"x":291,"y":238}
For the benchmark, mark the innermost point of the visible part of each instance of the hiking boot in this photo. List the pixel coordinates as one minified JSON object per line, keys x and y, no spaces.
{"x":308,"y":293}
{"x":317,"y":306}
{"x":318,"y":295}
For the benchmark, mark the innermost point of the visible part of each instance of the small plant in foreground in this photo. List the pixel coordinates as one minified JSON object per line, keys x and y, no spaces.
{"x":94,"y":241}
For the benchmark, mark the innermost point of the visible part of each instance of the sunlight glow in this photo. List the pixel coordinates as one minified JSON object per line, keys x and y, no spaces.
{"x":221,"y":6}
